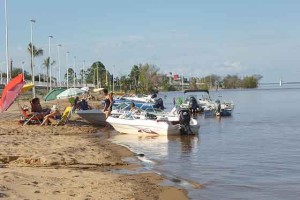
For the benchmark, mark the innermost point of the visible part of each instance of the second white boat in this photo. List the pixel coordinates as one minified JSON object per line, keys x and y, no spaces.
{"x":150,"y":124}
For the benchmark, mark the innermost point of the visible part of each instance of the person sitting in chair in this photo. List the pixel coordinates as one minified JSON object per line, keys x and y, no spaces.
{"x":36,"y":107}
{"x":134,"y":109}
{"x":83,"y":105}
{"x":53,"y":116}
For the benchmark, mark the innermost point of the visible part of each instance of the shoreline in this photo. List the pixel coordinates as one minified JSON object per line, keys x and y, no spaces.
{"x":74,"y":161}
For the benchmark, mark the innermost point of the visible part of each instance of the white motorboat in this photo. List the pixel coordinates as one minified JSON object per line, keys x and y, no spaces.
{"x":151,"y":124}
{"x":193,"y":101}
{"x":219,"y":109}
{"x":125,"y":107}
{"x":139,"y":98}
{"x":94,"y":116}
{"x":206,"y":105}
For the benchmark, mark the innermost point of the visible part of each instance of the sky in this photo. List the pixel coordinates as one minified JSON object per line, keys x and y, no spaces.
{"x":189,"y":37}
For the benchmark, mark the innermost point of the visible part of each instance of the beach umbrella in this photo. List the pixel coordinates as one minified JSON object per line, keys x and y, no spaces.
{"x":52,"y":95}
{"x":11,"y":92}
{"x":27,"y":87}
{"x":71,"y":92}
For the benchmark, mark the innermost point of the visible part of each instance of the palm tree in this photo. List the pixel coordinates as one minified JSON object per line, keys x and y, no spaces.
{"x":70,"y":74}
{"x":47,"y":64}
{"x":34,"y":52}
{"x":135,"y":75}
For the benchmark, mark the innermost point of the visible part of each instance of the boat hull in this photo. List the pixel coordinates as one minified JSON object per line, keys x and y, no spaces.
{"x":94,"y":116}
{"x":147,"y":126}
{"x":193,"y":124}
{"x":213,"y":113}
{"x":143,"y":126}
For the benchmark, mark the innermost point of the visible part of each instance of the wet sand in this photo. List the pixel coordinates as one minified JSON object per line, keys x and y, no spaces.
{"x":74,"y":161}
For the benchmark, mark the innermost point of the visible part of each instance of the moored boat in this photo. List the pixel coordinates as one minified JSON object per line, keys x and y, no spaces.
{"x":219,"y":109}
{"x":206,"y":105}
{"x":94,"y":116}
{"x":157,"y":125}
{"x":143,"y":126}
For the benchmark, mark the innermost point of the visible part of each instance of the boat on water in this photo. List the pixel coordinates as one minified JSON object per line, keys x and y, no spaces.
{"x":219,"y":109}
{"x":125,"y":107}
{"x":146,"y":123}
{"x":196,"y":100}
{"x":206,"y":105}
{"x":140,"y":98}
{"x":156,"y":102}
{"x":93,"y":116}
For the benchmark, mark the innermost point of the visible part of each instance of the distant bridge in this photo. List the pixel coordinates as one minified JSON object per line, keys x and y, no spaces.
{"x":280,"y":83}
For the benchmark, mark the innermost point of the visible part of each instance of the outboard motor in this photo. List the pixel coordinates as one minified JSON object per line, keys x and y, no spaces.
{"x":159,"y":103}
{"x":193,"y":105}
{"x":184,"y":120}
{"x":153,"y":96}
{"x":218,"y":110}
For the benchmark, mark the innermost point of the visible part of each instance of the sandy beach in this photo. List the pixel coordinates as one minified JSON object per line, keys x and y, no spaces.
{"x":74,"y":161}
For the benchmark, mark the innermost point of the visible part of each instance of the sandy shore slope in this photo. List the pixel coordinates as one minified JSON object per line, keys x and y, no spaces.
{"x":69,"y":162}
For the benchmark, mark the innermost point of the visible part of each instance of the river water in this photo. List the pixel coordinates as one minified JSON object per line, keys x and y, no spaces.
{"x":254,"y":154}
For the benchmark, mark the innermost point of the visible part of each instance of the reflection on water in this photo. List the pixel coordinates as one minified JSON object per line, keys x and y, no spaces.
{"x":254,"y":154}
{"x":157,"y":151}
{"x":187,"y":142}
{"x":141,"y":144}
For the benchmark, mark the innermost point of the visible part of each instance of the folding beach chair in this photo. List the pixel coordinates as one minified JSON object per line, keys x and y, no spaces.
{"x":65,"y":116}
{"x":30,"y":117}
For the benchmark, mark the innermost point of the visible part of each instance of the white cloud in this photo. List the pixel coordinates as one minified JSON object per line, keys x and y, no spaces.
{"x":229,"y":67}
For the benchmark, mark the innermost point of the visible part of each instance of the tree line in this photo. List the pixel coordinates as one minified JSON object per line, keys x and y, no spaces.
{"x":142,"y":78}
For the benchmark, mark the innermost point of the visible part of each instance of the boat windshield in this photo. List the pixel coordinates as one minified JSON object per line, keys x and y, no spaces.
{"x":122,"y":106}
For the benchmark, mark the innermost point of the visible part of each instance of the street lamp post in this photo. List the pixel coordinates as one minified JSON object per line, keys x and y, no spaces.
{"x":182,"y":81}
{"x":67,"y":64}
{"x":83,"y":73}
{"x":58,"y":60}
{"x":94,"y":79}
{"x":40,"y":75}
{"x":23,"y":70}
{"x":74,"y":74}
{"x":50,"y":68}
{"x":32,"y":21}
{"x":113,"y":77}
{"x":6,"y":42}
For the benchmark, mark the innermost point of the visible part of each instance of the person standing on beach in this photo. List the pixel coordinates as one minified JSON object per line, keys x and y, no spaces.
{"x":108,"y":103}
{"x":111,"y":97}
